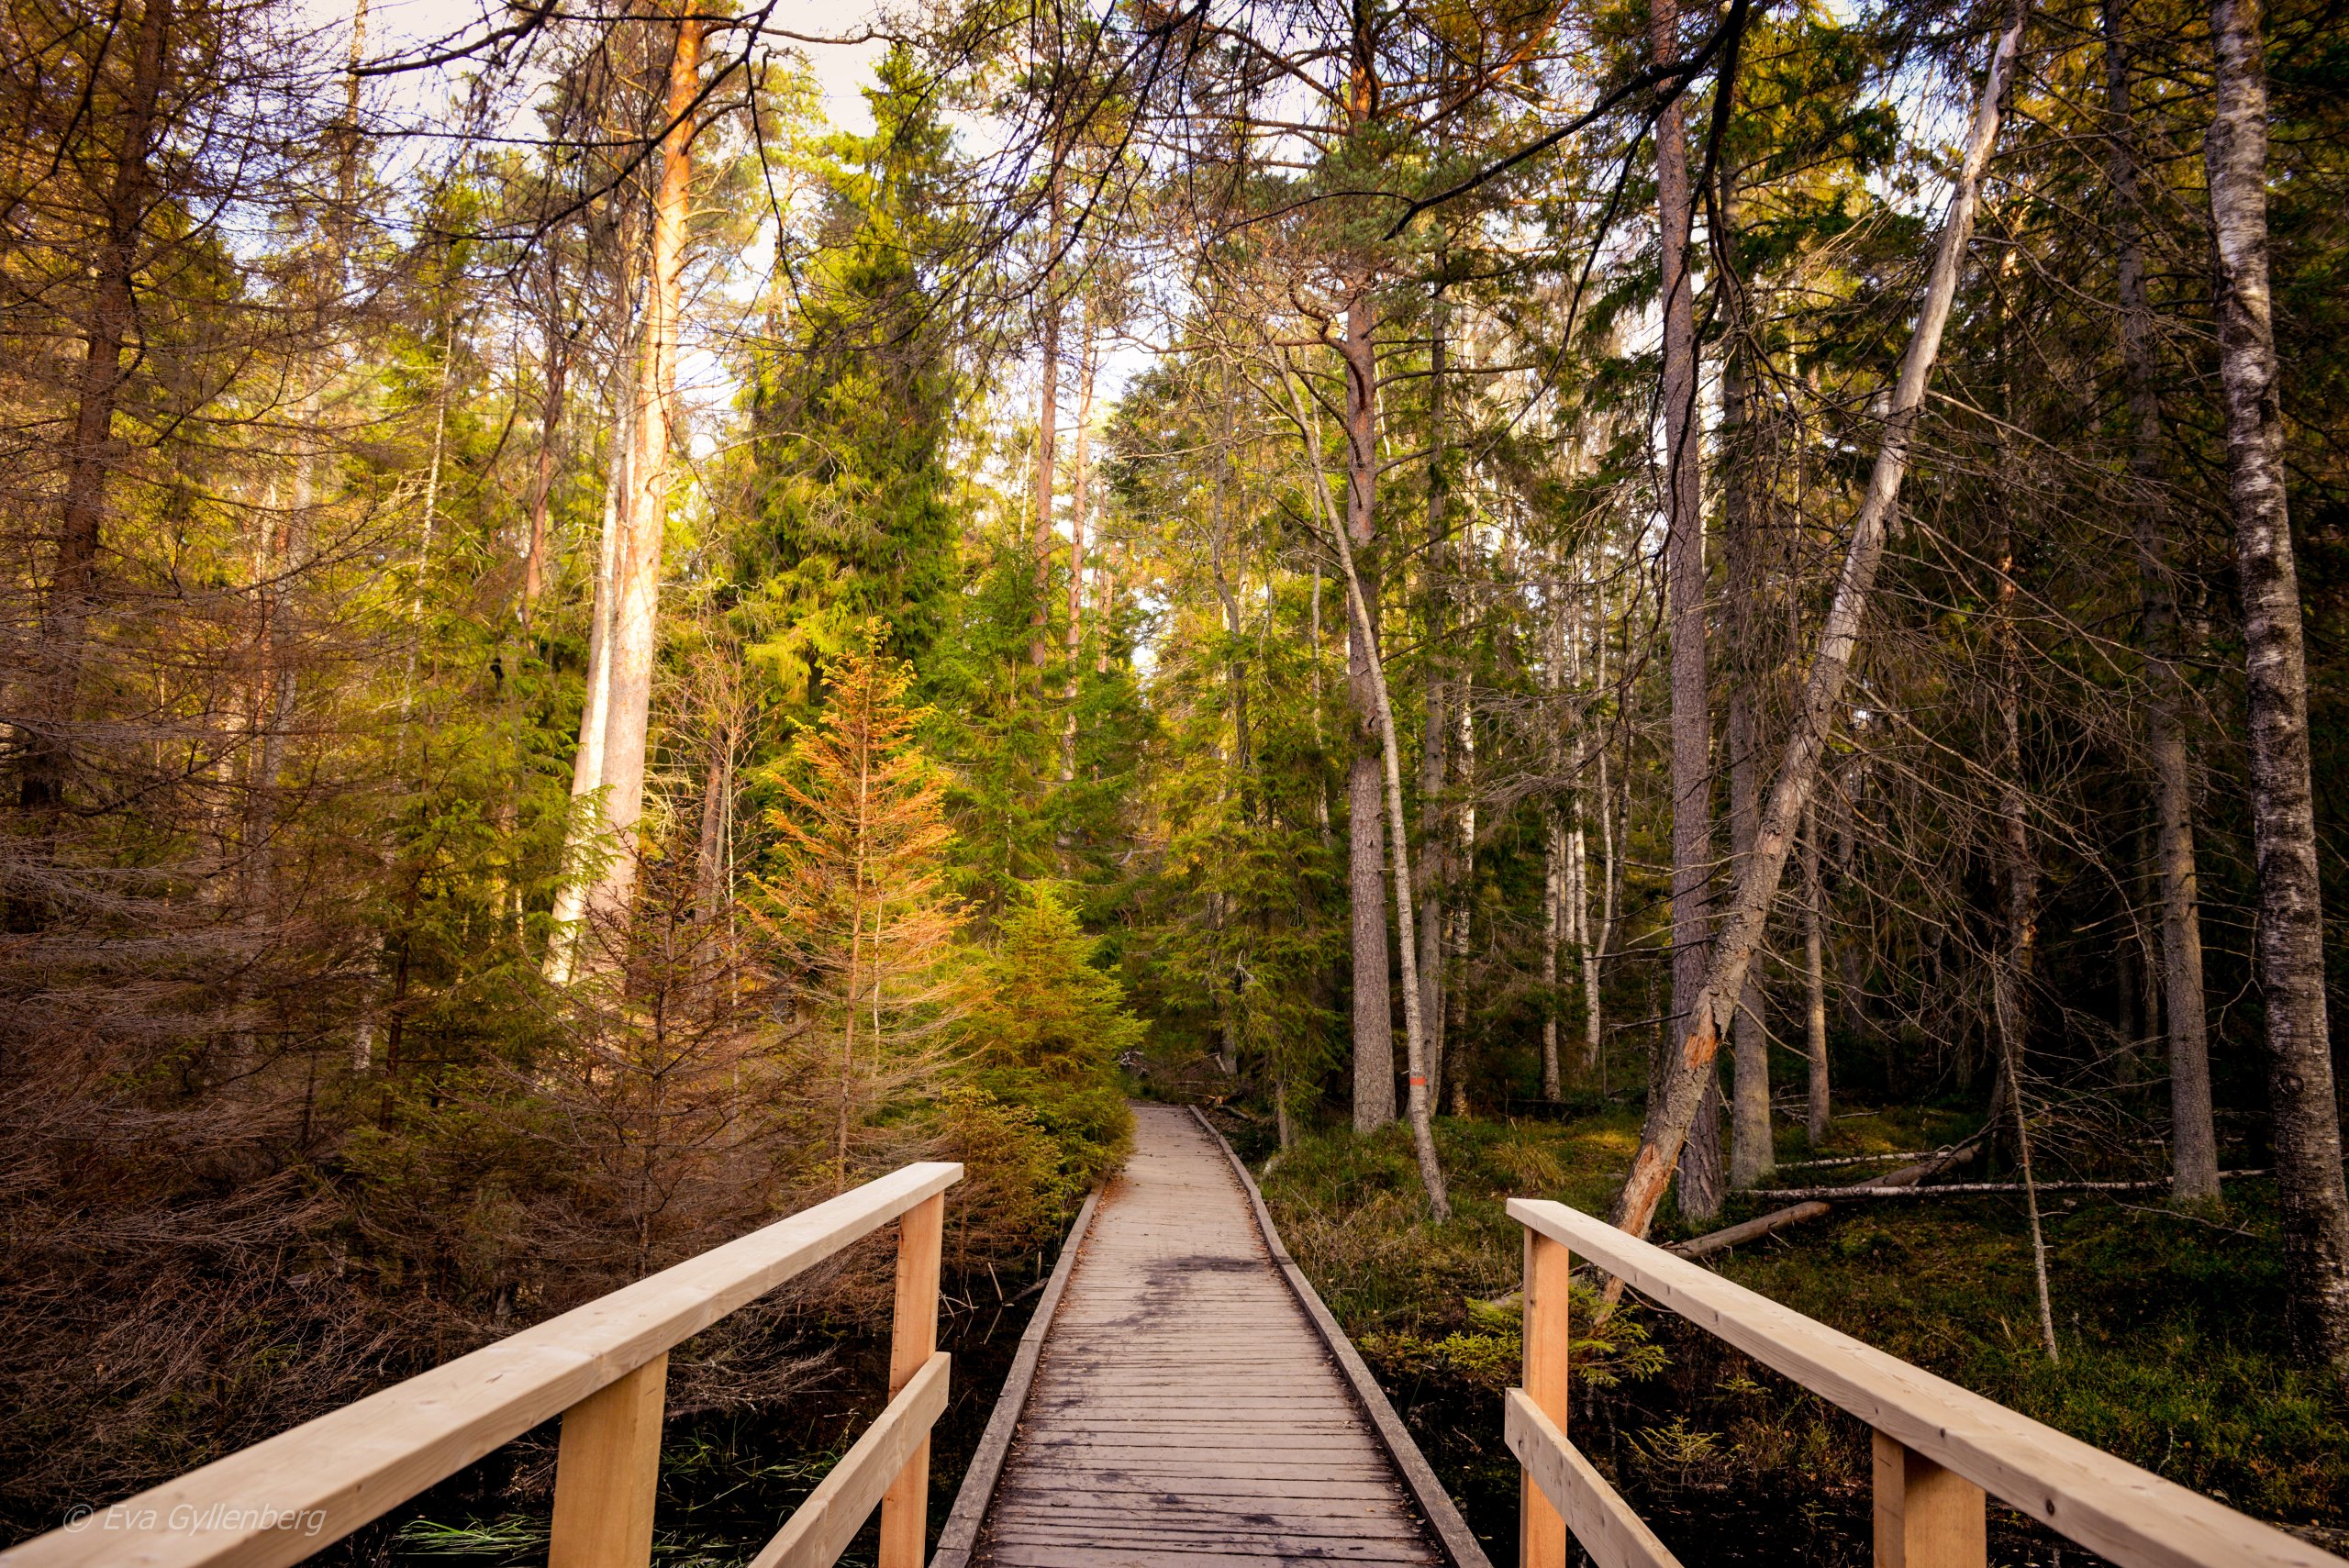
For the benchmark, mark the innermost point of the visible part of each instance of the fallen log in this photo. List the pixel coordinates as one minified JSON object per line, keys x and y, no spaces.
{"x":1816,"y":1201}
{"x":1979,"y":1189}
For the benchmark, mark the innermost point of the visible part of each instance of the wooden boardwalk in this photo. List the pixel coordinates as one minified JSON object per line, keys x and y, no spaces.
{"x":1186,"y":1409}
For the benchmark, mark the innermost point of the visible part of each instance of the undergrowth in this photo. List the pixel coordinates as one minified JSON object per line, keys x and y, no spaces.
{"x":2170,"y":1326}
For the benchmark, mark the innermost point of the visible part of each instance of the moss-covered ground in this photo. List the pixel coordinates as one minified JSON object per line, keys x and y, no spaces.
{"x":2170,"y":1327}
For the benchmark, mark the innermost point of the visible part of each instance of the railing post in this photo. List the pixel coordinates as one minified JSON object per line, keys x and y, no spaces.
{"x":913,"y":1339}
{"x":608,"y":1472}
{"x":1926,"y":1517}
{"x":1542,"y":1532}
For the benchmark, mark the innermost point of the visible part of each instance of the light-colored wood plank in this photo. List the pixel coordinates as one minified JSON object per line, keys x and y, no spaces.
{"x":607,"y":1474}
{"x":1605,"y":1525}
{"x":354,"y":1464}
{"x":1926,"y":1517}
{"x":2131,"y":1516}
{"x":1183,"y":1408}
{"x":1542,"y":1529}
{"x":820,"y":1528}
{"x":913,"y":1342}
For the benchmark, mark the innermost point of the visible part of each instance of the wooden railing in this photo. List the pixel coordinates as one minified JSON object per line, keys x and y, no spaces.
{"x":1938,"y":1449}
{"x":603,"y":1368}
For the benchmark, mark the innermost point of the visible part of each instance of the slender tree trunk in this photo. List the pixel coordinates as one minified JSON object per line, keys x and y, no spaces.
{"x":2193,"y":1151}
{"x":1374,"y":1014}
{"x":1671,"y":1113}
{"x":1691,"y":762}
{"x":1048,"y":422}
{"x":1595,"y":951}
{"x":1079,"y":482}
{"x":106,"y":364}
{"x":557,"y":369}
{"x":1751,"y":1160}
{"x":585,"y":822}
{"x":1820,"y":1103}
{"x":2288,"y":947}
{"x":634,"y":636}
{"x":1556,"y":878}
{"x":1462,"y":860}
{"x":1435,"y":870}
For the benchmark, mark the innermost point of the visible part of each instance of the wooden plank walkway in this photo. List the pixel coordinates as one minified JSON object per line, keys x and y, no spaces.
{"x":1185,"y":1410}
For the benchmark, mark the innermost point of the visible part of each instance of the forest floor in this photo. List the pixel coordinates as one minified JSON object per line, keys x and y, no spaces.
{"x":2169,"y":1325}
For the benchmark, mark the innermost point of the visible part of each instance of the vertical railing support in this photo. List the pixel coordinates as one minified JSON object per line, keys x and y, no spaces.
{"x":608,"y":1472}
{"x":913,"y":1339}
{"x":1926,"y":1517}
{"x":1541,"y":1533}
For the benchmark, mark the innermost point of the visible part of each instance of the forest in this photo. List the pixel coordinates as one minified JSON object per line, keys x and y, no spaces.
{"x":619,"y":617}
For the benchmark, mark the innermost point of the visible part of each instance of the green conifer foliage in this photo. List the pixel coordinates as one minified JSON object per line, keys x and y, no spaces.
{"x":1045,"y":1031}
{"x":852,"y":407}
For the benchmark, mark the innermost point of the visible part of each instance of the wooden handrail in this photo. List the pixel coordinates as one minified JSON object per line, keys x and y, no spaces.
{"x":295,"y":1494}
{"x":1613,"y":1535}
{"x":1937,"y":1443}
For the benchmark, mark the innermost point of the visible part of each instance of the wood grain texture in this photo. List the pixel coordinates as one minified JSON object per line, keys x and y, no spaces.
{"x":961,"y":1531}
{"x":1925,"y":1516}
{"x":2129,"y":1515}
{"x":1609,"y":1531}
{"x":904,"y":1510}
{"x":820,"y":1528}
{"x":608,"y":1472}
{"x":1541,"y":1524}
{"x":1184,"y":1409}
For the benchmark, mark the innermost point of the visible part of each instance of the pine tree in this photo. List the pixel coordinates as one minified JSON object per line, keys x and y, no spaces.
{"x":854,"y":899}
{"x":853,"y":409}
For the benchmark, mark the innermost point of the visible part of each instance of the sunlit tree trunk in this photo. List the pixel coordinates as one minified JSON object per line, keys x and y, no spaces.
{"x":107,"y":361}
{"x":634,"y":633}
{"x":1048,"y":425}
{"x":2288,"y":947}
{"x":1080,"y":482}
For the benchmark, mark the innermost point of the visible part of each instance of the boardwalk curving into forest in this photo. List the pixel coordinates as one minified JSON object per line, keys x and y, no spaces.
{"x":1185,"y":1407}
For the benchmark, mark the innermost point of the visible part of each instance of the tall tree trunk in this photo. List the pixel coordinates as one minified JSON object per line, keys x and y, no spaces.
{"x":1671,"y":1112}
{"x":1462,"y":861}
{"x":1691,"y":765}
{"x":1595,"y":950}
{"x":1048,"y":423}
{"x":1818,"y":1100}
{"x":634,"y":636}
{"x":2288,"y":952}
{"x":1373,"y":1013}
{"x":2193,"y":1151}
{"x":1751,"y":1156}
{"x":1079,"y":482}
{"x":1435,"y":870}
{"x":1418,"y":1108}
{"x":557,"y":370}
{"x":595,"y":701}
{"x":106,"y":364}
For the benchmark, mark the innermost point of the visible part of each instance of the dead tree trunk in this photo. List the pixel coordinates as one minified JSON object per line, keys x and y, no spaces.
{"x":1672,"y":1111}
{"x":2289,"y":946}
{"x":1435,"y":868}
